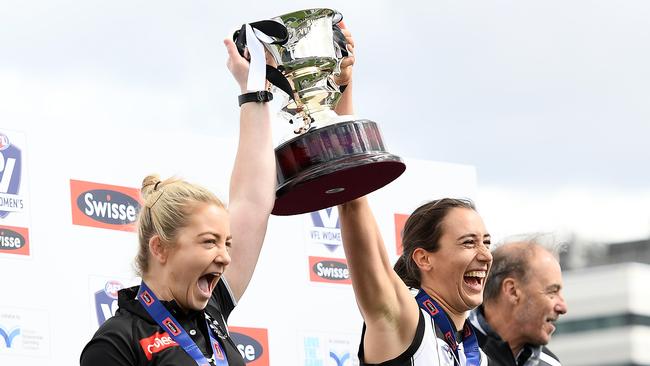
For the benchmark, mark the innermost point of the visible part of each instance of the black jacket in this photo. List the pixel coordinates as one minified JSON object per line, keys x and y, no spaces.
{"x":133,"y":338}
{"x":498,"y":351}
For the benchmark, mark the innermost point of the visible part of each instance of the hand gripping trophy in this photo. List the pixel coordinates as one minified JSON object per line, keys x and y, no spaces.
{"x":329,"y":159}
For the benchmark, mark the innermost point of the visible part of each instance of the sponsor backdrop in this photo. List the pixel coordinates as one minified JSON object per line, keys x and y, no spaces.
{"x":68,"y":203}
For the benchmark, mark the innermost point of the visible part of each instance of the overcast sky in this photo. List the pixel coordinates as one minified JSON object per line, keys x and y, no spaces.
{"x":550,"y":101}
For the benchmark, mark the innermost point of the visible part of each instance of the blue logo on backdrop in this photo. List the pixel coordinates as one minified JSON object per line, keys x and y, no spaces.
{"x":10,"y":168}
{"x":327,"y":228}
{"x":320,"y":351}
{"x":340,"y":361}
{"x":312,"y":346}
{"x":106,"y":301}
{"x":9,"y":335}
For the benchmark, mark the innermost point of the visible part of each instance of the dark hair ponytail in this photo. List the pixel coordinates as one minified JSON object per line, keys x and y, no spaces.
{"x":411,"y":279}
{"x":423,"y":229}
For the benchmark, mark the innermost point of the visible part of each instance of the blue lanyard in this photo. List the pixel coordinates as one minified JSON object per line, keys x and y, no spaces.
{"x":161,"y":315}
{"x":470,"y":343}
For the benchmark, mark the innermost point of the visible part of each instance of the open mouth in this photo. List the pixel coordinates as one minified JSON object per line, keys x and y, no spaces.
{"x":474,"y":279}
{"x":551,"y":322}
{"x":208,"y":282}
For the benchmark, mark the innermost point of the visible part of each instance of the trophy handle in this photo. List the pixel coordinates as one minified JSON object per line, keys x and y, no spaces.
{"x":270,"y":28}
{"x":339,"y":40}
{"x":280,"y":35}
{"x":340,"y":44}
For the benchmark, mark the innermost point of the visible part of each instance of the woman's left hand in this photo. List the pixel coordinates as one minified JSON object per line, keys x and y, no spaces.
{"x":237,"y":64}
{"x":345,"y":77}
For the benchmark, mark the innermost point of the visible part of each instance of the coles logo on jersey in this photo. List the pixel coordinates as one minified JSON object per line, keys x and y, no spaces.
{"x":326,"y":229}
{"x":14,"y":240}
{"x":106,"y":300}
{"x":400,"y":221}
{"x":253,"y":344}
{"x":10,"y":173}
{"x":156,"y":343}
{"x":104,"y":206}
{"x":330,"y":270}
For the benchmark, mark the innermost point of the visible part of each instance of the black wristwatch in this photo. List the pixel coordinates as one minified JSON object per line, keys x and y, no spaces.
{"x":258,"y":96}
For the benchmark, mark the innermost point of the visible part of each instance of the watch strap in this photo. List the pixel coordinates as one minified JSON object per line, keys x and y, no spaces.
{"x":258,"y":96}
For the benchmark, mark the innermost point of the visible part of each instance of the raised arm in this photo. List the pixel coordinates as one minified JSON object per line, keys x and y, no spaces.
{"x":388,"y":308}
{"x":252,"y":183}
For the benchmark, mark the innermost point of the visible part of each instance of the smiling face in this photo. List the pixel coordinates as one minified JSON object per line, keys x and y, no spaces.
{"x":462,"y":261}
{"x":199,"y":256}
{"x":541,"y":301}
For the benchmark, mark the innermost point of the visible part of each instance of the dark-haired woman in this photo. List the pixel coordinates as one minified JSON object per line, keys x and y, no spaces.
{"x":446,"y":259}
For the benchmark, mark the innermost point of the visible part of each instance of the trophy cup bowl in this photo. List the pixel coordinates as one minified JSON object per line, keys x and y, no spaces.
{"x":329,"y":159}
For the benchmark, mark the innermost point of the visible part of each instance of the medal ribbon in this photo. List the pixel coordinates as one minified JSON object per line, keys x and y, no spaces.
{"x":161,"y":315}
{"x":470,"y":343}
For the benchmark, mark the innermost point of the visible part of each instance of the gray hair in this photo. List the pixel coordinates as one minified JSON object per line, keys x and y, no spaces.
{"x":512,"y":256}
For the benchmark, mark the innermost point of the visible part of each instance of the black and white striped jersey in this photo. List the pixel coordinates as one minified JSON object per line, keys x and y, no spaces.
{"x":426,"y":349}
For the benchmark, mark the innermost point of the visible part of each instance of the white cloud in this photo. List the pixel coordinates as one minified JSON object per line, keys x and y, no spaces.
{"x":598,"y":215}
{"x":93,"y":104}
{"x":533,"y":94}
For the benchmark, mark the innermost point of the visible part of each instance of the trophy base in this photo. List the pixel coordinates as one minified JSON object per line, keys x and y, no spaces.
{"x":332,"y":165}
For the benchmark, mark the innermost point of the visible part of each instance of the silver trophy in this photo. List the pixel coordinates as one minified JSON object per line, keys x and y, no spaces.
{"x":329,"y":159}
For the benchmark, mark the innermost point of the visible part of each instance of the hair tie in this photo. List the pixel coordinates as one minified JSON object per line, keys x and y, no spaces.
{"x":155,"y":186}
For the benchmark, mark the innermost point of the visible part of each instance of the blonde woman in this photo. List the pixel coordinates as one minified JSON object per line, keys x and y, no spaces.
{"x":196,"y":257}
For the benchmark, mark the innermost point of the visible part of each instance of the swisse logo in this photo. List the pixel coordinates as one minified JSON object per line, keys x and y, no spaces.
{"x":249,"y":348}
{"x":331,"y":270}
{"x":252,"y":344}
{"x":109,"y":207}
{"x":14,"y":240}
{"x":156,"y":343}
{"x":11,"y":240}
{"x":105,"y":206}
